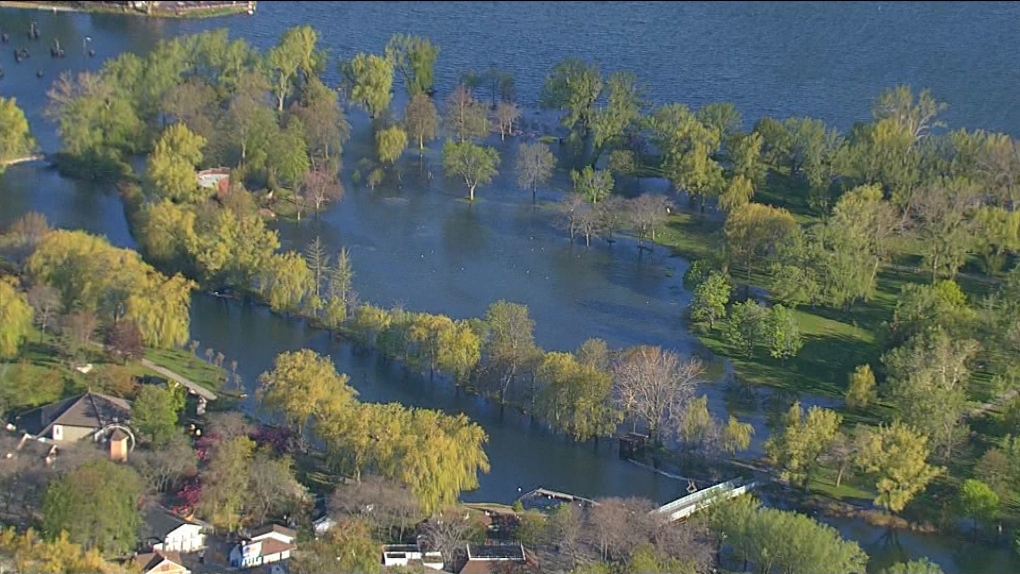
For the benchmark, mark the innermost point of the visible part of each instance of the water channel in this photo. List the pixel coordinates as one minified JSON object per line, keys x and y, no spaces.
{"x":418,"y":246}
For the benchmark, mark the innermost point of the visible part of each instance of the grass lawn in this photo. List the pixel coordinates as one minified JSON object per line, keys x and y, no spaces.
{"x":188,"y":366}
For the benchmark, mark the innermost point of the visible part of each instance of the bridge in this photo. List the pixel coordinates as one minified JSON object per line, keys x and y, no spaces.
{"x":685,"y":506}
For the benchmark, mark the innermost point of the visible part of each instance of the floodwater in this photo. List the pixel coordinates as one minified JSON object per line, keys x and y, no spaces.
{"x":414,"y":243}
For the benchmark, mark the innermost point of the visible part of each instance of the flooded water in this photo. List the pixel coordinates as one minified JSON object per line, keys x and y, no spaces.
{"x":417,"y":245}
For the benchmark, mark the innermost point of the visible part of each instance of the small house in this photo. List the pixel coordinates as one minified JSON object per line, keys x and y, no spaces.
{"x":160,"y":563}
{"x":488,"y":558}
{"x":167,"y":532}
{"x":269,"y":544}
{"x":73,"y":419}
{"x":410,"y":556}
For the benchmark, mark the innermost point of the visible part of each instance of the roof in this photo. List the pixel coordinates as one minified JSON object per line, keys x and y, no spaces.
{"x":118,"y":435}
{"x":159,"y":522}
{"x":150,"y":560}
{"x":496,"y":551}
{"x":90,"y":410}
{"x":274,"y":546}
{"x":267,"y":528}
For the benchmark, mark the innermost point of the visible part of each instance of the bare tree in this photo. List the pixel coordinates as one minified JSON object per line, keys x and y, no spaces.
{"x":617,"y":525}
{"x":590,"y":222}
{"x":320,"y":188}
{"x":449,"y":533}
{"x":612,"y":212}
{"x":690,"y":541}
{"x":163,"y":469}
{"x":384,"y":504}
{"x":465,"y":117}
{"x":648,"y":212}
{"x":566,"y":529}
{"x":570,"y":208}
{"x":45,"y":301}
{"x":534,"y":166}
{"x":506,"y":114}
{"x":77,"y":330}
{"x":655,"y":385}
{"x":228,"y":425}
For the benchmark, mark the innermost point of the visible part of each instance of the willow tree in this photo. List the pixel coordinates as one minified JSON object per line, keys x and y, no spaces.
{"x":804,"y":439}
{"x":897,"y":457}
{"x":442,"y":456}
{"x":368,"y":78}
{"x":302,"y":384}
{"x":15,"y":138}
{"x":414,"y":58}
{"x":15,"y":318}
{"x":171,"y":167}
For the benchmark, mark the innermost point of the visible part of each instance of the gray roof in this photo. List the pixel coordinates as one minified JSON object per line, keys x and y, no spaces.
{"x":90,"y":410}
{"x":158,"y":522}
{"x":267,"y":528}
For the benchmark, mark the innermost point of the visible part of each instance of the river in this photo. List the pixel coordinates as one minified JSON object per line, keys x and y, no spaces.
{"x":416,"y":245}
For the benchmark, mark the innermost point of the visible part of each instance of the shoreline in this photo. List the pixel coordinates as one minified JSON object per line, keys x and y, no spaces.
{"x":215,"y":11}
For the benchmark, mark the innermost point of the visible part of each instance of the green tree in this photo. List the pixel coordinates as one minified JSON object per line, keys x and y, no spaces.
{"x":347,"y":547}
{"x":710,"y":298}
{"x":623,"y":108}
{"x":288,"y":163}
{"x":736,"y":436}
{"x":511,"y":342}
{"x":171,"y":167}
{"x":154,"y":412}
{"x":745,"y":328}
{"x":782,"y":333}
{"x":861,"y":389}
{"x":15,"y":318}
{"x":896,"y":455}
{"x":369,"y":78}
{"x":919,"y":566}
{"x":295,"y":53}
{"x":414,"y":58}
{"x":475,"y":163}
{"x":594,"y":185}
{"x":534,"y":166}
{"x":390,"y":144}
{"x":326,"y":127}
{"x":944,"y":214}
{"x":687,"y":146}
{"x":301,"y":385}
{"x":575,"y":398}
{"x":459,"y":350}
{"x":976,"y":500}
{"x":421,"y":119}
{"x":753,"y":232}
{"x":928,"y":379}
{"x":15,"y":137}
{"x":573,"y":86}
{"x":96,"y":504}
{"x":798,"y":449}
{"x":225,"y":482}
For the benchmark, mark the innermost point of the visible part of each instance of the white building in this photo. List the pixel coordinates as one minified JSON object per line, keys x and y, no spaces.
{"x":271,"y":543}
{"x":405,"y":554}
{"x":167,"y":532}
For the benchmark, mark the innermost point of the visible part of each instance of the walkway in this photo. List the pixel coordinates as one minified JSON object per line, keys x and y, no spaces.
{"x":192,"y":387}
{"x":683,"y":507}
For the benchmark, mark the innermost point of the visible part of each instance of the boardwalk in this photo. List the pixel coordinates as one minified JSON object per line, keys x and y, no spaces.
{"x":683,"y":507}
{"x":192,"y":387}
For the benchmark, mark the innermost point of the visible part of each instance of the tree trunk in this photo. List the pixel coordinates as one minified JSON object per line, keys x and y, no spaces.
{"x":471,"y":193}
{"x":839,"y":475}
{"x":534,"y":194}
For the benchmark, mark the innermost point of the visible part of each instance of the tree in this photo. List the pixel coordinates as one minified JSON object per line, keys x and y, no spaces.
{"x":928,"y":379}
{"x":288,"y":163}
{"x":326,"y":128}
{"x":594,"y":185}
{"x":384,"y":504}
{"x":687,"y":146}
{"x":45,"y":302}
{"x":294,"y":53}
{"x":710,"y":298}
{"x":861,"y":389}
{"x":347,"y":547}
{"x":449,"y":533}
{"x":225,"y":482}
{"x":943,"y":212}
{"x":428,"y":332}
{"x":511,"y":342}
{"x":76,"y":332}
{"x":575,"y":398}
{"x":286,"y":282}
{"x":573,"y":87}
{"x":369,"y":78}
{"x":83,"y":504}
{"x":977,"y":501}
{"x":272,"y":489}
{"x":465,"y":117}
{"x":919,"y":566}
{"x":803,"y":441}
{"x":421,"y":119}
{"x":648,"y":212}
{"x":745,"y":328}
{"x":390,"y":144}
{"x":15,"y":137}
{"x":301,"y":384}
{"x":654,"y":386}
{"x":414,"y":57}
{"x":124,"y":340}
{"x":154,"y":412}
{"x":163,"y":469}
{"x":534,"y":165}
{"x":171,"y":168}
{"x":754,"y":232}
{"x":612,"y":122}
{"x":737,"y":194}
{"x":321,"y":188}
{"x":15,"y":318}
{"x":915,"y":117}
{"x":896,"y":456}
{"x":782,"y":333}
{"x":506,"y":114}
{"x":736,"y":436}
{"x":193,"y":103}
{"x":618,"y":525}
{"x":995,"y":470}
{"x":475,"y":163}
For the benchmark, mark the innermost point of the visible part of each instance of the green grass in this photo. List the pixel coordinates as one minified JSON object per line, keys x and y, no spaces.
{"x":823,"y":482}
{"x":193,"y":368}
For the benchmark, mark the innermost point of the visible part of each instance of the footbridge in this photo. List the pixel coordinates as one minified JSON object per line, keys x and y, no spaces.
{"x":683,"y":507}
